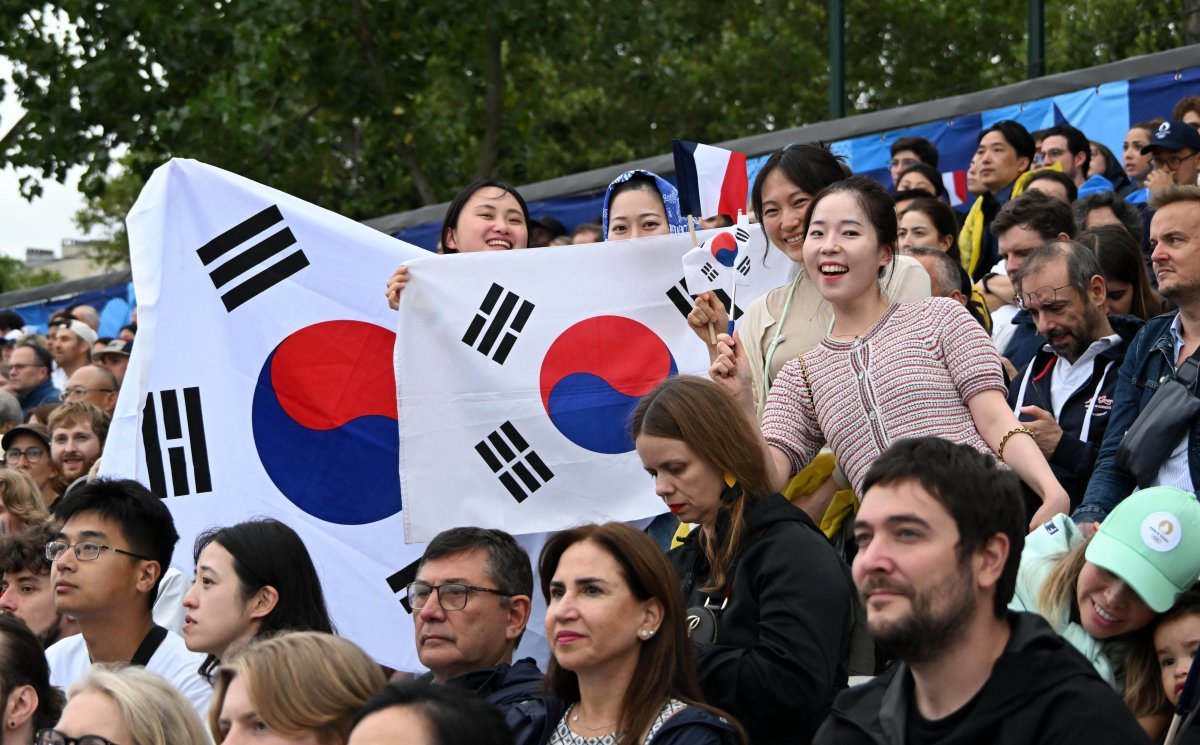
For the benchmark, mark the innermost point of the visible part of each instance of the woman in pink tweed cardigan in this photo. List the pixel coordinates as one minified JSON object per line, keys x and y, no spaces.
{"x":884,"y":371}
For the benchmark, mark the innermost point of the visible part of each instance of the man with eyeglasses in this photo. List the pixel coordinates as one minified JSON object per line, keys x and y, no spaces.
{"x":1065,"y":394}
{"x":1174,"y":152}
{"x":108,"y":559}
{"x":1070,"y":148}
{"x":29,"y":371}
{"x":1154,"y":357}
{"x":470,"y":603}
{"x":908,"y":152}
{"x":94,"y":384}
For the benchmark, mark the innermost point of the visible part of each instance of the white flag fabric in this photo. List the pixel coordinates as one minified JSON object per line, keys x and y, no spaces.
{"x":722,"y":261}
{"x":517,"y":372}
{"x":261,"y":384}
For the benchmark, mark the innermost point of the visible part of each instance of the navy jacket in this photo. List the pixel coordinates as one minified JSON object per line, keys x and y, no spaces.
{"x":1025,"y":341}
{"x":1041,"y":691}
{"x":695,"y":726}
{"x":1149,"y":361}
{"x":1074,"y":458}
{"x":45,"y":393}
{"x":517,"y":691}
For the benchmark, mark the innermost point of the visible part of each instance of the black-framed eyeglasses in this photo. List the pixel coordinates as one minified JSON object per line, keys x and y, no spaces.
{"x":1043,"y":295}
{"x":54,"y":737}
{"x":1170,"y":162}
{"x":86,"y":551}
{"x":33,"y":455}
{"x":1053,"y":154}
{"x":81,"y":391}
{"x":451,"y":596}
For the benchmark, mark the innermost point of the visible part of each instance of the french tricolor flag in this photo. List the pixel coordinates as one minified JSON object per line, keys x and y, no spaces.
{"x":711,"y":181}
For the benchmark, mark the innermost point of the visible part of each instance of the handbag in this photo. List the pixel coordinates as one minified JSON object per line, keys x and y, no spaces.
{"x":1167,"y":417}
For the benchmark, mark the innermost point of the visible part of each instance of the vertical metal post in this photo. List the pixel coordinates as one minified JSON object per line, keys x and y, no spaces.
{"x":837,"y":59}
{"x":1037,"y":39}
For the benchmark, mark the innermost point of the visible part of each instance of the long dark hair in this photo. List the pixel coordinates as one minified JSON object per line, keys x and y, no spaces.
{"x":23,"y":662}
{"x":700,"y":414}
{"x":268,"y":553}
{"x":810,"y":166}
{"x":665,"y":667}
{"x":1121,"y":258}
{"x":450,"y":222}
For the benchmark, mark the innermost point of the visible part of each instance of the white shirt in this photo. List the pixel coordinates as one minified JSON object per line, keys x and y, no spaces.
{"x":1003,"y":327}
{"x":172,"y":661}
{"x":1066,"y":377}
{"x":1176,"y":471}
{"x":168,"y":605}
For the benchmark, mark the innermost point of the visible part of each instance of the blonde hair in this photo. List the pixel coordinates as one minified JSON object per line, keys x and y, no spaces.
{"x":154,"y":712}
{"x":300,"y":682}
{"x":22,"y":499}
{"x":1056,"y":596}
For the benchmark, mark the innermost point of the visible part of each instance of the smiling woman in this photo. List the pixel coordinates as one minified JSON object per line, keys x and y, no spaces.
{"x":621,"y":657}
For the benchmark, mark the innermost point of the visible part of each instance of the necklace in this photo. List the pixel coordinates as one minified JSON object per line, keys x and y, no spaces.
{"x":575,"y":720}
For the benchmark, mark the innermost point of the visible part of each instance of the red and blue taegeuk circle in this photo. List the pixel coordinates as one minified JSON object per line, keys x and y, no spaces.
{"x":593,"y":375}
{"x":324,"y":421}
{"x":724,"y":248}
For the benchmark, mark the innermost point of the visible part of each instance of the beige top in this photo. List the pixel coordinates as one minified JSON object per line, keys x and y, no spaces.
{"x":807,"y":321}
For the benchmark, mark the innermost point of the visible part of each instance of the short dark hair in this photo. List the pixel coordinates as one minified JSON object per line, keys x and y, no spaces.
{"x":265,"y":553}
{"x":26,"y":549}
{"x":1077,"y":142}
{"x":11,"y":320}
{"x":907,"y":195}
{"x":1082,"y":263}
{"x":508,"y":564}
{"x":931,"y":173}
{"x":43,"y":355}
{"x":982,"y":498}
{"x":1058,"y":177}
{"x":1015,"y":135}
{"x":23,"y":663}
{"x":450,"y":222}
{"x":454,"y":715}
{"x":1129,"y":216}
{"x":1036,"y":211}
{"x":144,"y":520}
{"x":925,"y":150}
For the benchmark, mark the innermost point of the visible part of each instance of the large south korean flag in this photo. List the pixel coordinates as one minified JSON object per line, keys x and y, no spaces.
{"x":517,"y":373}
{"x":261,"y":384}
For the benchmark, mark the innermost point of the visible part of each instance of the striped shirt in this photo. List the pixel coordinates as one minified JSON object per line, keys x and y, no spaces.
{"x":910,"y":375}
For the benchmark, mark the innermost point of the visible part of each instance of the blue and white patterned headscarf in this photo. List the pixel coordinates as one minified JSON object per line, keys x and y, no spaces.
{"x":669,"y":194}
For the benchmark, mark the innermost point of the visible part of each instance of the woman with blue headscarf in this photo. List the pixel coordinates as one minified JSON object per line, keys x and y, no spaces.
{"x":640,"y":204}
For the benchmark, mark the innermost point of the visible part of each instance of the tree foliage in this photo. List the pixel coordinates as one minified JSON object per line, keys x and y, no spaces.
{"x":14,"y":275}
{"x":373,"y":106}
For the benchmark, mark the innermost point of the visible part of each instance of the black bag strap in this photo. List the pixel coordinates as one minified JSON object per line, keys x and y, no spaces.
{"x":149,"y":646}
{"x":1188,"y":370}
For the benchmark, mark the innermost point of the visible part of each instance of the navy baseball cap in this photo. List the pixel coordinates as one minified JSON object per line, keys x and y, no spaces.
{"x":1174,"y":135}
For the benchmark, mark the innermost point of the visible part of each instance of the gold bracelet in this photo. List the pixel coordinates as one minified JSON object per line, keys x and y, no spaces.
{"x":1008,"y":434}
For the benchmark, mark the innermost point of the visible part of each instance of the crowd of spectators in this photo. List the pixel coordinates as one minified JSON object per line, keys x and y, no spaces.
{"x":953,"y":461}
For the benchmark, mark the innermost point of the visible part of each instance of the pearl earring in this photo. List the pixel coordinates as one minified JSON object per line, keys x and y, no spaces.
{"x":645,"y":634}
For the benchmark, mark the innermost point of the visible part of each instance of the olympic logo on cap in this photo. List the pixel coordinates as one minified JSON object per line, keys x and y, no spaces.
{"x":1161,"y":531}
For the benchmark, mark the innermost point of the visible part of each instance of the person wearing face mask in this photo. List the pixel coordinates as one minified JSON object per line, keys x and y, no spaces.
{"x":487,"y":215}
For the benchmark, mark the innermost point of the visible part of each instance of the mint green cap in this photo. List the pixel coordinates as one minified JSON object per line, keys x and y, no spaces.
{"x":1152,"y":542}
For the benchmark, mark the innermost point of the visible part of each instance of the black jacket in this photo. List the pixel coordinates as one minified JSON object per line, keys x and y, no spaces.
{"x":517,"y":691}
{"x":1040,"y":691}
{"x":695,"y":726}
{"x":1073,"y":459}
{"x":783,"y":639}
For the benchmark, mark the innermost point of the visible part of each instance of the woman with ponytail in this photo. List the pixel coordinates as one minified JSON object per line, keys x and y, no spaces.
{"x":770,"y":603}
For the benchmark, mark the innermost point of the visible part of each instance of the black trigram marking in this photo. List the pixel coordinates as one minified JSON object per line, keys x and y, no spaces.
{"x":741,"y":234}
{"x":682,"y":299}
{"x":743,"y":266}
{"x":519,"y":468}
{"x":708,"y":271}
{"x":494,"y":329}
{"x":252,"y":258}
{"x":400,"y":580}
{"x":183,"y":440}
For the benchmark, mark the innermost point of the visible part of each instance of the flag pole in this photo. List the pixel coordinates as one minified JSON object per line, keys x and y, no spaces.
{"x":712,"y":327}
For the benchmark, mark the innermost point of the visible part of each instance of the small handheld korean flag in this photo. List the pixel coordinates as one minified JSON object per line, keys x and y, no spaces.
{"x":720,"y":264}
